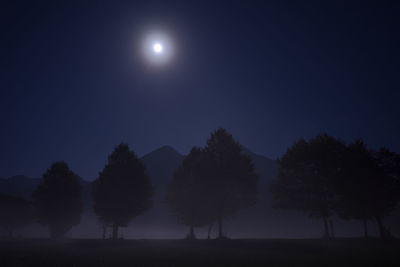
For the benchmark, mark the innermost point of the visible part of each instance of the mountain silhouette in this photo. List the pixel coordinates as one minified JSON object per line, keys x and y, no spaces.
{"x":19,"y":186}
{"x":265,"y":167}
{"x":256,"y":222}
{"x":161,"y":163}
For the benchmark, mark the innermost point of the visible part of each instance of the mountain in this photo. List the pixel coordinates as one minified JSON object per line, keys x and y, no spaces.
{"x":20,"y":185}
{"x":259,"y":221}
{"x":158,"y":221}
{"x":161,"y":164}
{"x":265,"y":167}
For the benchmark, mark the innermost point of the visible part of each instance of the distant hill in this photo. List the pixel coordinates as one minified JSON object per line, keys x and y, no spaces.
{"x":265,"y":167}
{"x":20,"y":185}
{"x":161,"y":164}
{"x":256,"y":222}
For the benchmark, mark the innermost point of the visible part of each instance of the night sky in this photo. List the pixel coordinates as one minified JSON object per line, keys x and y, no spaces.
{"x":74,"y":83}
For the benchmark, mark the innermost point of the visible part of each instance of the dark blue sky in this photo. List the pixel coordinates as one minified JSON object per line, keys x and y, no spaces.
{"x":73,"y":84}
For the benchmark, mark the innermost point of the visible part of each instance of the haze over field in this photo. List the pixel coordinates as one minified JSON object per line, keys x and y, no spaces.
{"x":261,"y":221}
{"x":199,"y":133}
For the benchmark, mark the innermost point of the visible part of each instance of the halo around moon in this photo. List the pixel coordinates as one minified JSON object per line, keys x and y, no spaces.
{"x":157,"y":48}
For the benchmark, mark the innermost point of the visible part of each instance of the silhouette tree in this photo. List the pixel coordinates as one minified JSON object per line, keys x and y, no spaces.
{"x":58,"y":199}
{"x":386,"y":187}
{"x":305,"y":177}
{"x":355,"y":189}
{"x":369,"y":189}
{"x":122,"y":190}
{"x":231,"y":182}
{"x":105,"y":226}
{"x":15,"y":212}
{"x":187,"y":192}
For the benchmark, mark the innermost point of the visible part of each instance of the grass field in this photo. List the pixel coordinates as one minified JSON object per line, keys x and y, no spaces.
{"x":265,"y":252}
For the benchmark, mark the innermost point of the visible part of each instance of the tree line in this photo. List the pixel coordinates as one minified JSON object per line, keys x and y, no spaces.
{"x":322,"y":177}
{"x":325,"y":176}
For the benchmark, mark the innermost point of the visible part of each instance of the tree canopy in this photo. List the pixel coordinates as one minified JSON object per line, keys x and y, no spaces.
{"x":386,"y":187}
{"x":187,"y":192}
{"x":213,"y":182}
{"x":355,"y":187}
{"x":324,"y":175}
{"x":306,"y":176}
{"x":232,"y":182}
{"x":57,"y":200}
{"x":370,"y":185}
{"x":122,"y":190}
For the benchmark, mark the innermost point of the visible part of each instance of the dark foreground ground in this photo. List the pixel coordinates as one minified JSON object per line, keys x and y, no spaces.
{"x":268,"y":252}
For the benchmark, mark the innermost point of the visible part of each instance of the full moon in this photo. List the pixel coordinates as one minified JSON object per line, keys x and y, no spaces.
{"x":157,"y":48}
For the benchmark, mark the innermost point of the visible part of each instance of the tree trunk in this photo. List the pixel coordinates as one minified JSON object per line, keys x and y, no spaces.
{"x":115,"y":232}
{"x":332,"y":228}
{"x":56,"y":232}
{"x":326,"y":227}
{"x":220,"y":234}
{"x":104,"y":231}
{"x":365,"y":228}
{"x":381,"y":227}
{"x":209,"y":231}
{"x":191,"y":234}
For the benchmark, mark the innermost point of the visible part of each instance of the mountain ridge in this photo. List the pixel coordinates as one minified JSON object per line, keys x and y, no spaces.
{"x":258,"y":221}
{"x":160,"y":164}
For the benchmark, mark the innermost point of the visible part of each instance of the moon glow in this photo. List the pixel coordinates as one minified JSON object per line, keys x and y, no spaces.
{"x":157,"y":48}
